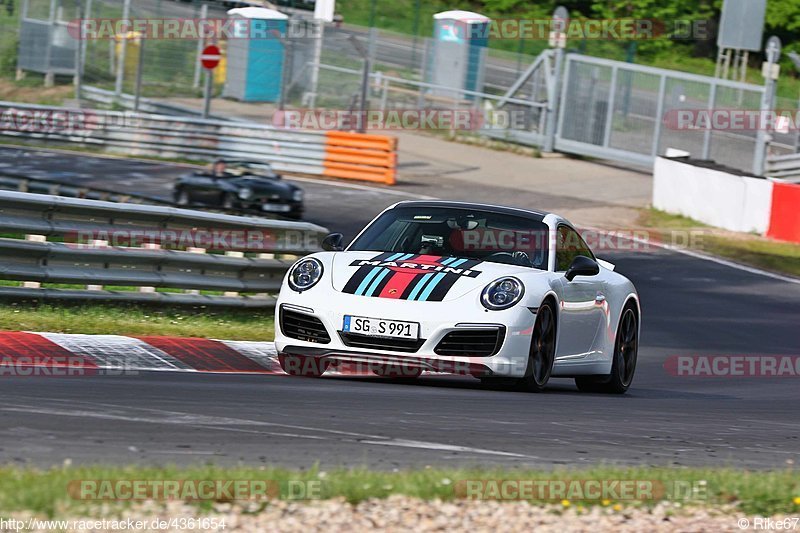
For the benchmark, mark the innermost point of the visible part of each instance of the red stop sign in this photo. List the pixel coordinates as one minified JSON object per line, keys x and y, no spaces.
{"x":210,"y":56}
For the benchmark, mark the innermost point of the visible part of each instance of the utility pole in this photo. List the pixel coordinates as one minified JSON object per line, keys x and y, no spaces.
{"x":79,"y":56}
{"x":126,"y":13}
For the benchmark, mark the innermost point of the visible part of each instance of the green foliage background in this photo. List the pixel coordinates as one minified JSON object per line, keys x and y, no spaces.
{"x":406,"y":16}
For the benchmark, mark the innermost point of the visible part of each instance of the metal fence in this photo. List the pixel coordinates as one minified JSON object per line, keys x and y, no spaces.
{"x":621,"y":111}
{"x":160,"y":258}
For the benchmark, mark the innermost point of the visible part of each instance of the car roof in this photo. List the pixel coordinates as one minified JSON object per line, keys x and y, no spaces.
{"x":515,"y":211}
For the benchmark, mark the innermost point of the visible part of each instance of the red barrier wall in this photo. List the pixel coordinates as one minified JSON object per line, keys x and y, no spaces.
{"x":784,"y":223}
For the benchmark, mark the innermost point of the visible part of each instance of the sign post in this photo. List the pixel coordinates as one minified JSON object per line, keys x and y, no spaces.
{"x":558,"y":40}
{"x":323,"y":12}
{"x":209,"y":59}
{"x":770,"y":69}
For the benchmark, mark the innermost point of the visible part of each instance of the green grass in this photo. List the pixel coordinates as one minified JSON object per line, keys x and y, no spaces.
{"x":99,"y":319}
{"x":45,"y":492}
{"x":776,"y":256}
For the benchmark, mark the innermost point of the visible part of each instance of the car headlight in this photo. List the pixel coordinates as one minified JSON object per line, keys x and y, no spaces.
{"x":245,"y":193}
{"x":305,"y":274}
{"x":502,"y":293}
{"x":297,"y":195}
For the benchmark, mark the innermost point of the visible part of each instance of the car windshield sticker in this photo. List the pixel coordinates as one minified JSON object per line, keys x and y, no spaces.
{"x":409,"y":276}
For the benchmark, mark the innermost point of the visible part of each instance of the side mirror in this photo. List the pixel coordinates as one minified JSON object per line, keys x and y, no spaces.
{"x":582,"y":266}
{"x":333,"y":242}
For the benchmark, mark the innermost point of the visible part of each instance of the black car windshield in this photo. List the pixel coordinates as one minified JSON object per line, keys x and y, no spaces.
{"x":458,"y":232}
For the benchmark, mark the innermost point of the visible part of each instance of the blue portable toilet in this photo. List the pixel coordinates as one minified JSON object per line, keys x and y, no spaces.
{"x":460,"y":39}
{"x":255,"y":55}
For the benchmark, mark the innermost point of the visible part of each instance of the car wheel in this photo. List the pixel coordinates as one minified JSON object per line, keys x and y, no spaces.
{"x":398,"y":370}
{"x":300,"y":365}
{"x":182,"y":197}
{"x":542,"y":353}
{"x":623,"y":367}
{"x":228,"y":201}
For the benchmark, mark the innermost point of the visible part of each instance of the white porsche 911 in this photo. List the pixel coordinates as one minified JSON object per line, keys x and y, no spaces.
{"x":499,"y":293}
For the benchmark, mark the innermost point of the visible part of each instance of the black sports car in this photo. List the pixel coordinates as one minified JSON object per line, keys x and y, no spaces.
{"x":240,"y":185}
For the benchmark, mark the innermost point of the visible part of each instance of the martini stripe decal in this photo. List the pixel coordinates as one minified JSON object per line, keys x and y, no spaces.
{"x":371,"y":273}
{"x":408,"y":276}
{"x":439,"y":277}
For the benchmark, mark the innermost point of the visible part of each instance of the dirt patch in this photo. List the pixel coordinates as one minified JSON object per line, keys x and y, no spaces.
{"x":30,"y":93}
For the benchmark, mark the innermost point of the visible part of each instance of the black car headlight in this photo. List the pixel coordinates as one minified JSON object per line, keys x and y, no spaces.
{"x":245,"y":193}
{"x":297,"y":195}
{"x":502,"y":293}
{"x":305,"y":274}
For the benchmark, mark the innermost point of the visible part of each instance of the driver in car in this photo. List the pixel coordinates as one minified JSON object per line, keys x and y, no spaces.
{"x":218,"y":168}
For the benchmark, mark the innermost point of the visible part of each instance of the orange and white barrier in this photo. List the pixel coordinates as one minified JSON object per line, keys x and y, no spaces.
{"x":360,"y":156}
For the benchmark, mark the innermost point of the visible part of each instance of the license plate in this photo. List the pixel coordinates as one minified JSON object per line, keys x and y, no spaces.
{"x":276,"y":208}
{"x":380,"y":328}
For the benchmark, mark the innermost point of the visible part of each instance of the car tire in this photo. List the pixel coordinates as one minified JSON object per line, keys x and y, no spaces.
{"x":228,"y":201}
{"x":182,"y":197}
{"x":542,"y":353}
{"x":300,"y":365}
{"x":626,"y":354}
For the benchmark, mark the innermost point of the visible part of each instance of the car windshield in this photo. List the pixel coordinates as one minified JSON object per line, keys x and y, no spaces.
{"x":236,"y":169}
{"x":458,"y":232}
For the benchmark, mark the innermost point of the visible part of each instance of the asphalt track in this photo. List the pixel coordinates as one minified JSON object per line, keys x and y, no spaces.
{"x":691,"y":307}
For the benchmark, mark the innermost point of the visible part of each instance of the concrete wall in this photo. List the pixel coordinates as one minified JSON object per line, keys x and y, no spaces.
{"x":736,"y":203}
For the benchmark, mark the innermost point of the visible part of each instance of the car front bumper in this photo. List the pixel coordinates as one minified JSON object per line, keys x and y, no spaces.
{"x":436,"y":320}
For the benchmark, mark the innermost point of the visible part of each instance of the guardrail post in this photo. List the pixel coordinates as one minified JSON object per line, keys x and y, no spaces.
{"x":263,"y":256}
{"x":149,"y":246}
{"x":96,"y":243}
{"x":232,"y":253}
{"x":33,"y":284}
{"x":193,"y":250}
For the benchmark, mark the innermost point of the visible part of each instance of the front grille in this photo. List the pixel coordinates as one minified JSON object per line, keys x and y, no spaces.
{"x":482,"y":342}
{"x":355,"y":340}
{"x":303,"y":327}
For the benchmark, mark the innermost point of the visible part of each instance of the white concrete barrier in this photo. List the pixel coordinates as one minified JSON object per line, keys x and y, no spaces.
{"x":714,"y":197}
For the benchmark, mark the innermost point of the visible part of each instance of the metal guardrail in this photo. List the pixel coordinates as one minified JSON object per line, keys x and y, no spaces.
{"x":287,"y":150}
{"x":242,"y":259}
{"x":786,"y":167}
{"x":23,"y":183}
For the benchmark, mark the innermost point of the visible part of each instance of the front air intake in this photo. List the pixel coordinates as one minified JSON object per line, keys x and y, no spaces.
{"x":303,"y":327}
{"x":478,"y":342}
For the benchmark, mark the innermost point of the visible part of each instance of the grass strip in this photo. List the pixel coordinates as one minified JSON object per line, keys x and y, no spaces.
{"x":52,"y":492}
{"x":744,"y":248}
{"x":129,"y":319}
